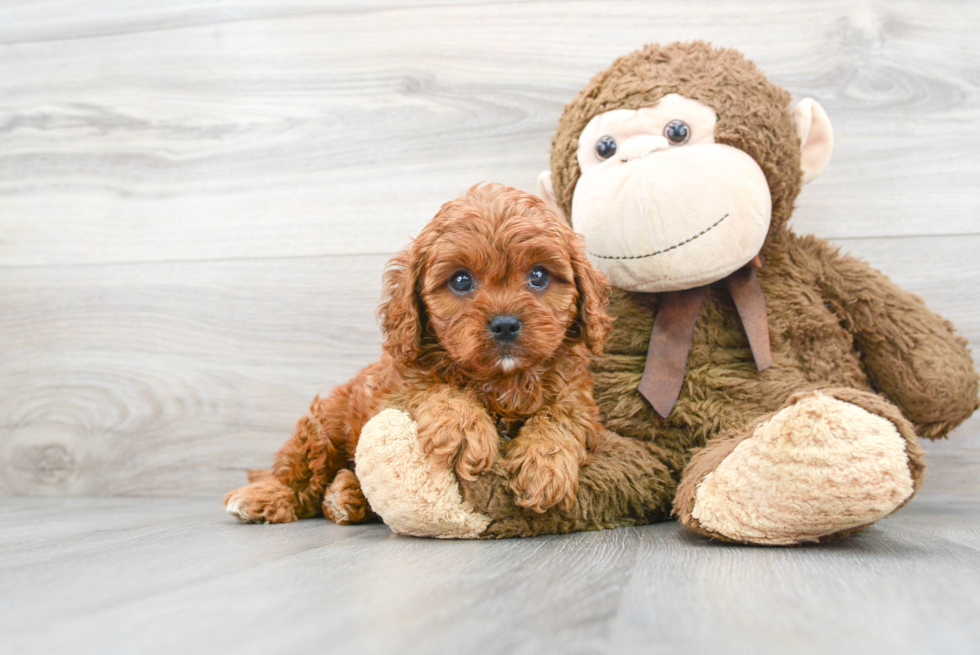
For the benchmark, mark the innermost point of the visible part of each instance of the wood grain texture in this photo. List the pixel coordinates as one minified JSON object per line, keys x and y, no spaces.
{"x":202,"y":133}
{"x":93,"y":576}
{"x":197,"y":199}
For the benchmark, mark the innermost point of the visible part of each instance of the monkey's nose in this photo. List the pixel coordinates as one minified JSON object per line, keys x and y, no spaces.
{"x":640,"y":146}
{"x":505,"y":328}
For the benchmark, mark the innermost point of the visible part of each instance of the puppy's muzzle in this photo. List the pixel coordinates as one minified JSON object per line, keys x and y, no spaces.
{"x":504,"y":328}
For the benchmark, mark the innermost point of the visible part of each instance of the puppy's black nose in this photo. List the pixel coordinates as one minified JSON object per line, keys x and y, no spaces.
{"x":505,"y":328}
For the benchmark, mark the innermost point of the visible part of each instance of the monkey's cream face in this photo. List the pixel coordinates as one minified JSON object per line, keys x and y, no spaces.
{"x":661,"y":205}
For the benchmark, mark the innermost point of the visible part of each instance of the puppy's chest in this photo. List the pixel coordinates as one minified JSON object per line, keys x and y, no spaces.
{"x":509,"y":410}
{"x":507,"y":426}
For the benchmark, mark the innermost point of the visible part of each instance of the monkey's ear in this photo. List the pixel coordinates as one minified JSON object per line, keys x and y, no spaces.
{"x":816,"y":137}
{"x":547,"y":193}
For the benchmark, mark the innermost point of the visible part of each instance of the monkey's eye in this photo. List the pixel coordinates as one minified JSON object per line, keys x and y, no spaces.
{"x":605,"y":147}
{"x":538,"y":278}
{"x":461,"y":282}
{"x":677,"y":132}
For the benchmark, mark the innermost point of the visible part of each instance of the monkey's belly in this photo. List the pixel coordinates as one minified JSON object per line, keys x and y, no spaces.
{"x":722,"y":388}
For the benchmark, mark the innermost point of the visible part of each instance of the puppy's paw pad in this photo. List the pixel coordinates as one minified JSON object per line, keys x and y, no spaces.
{"x":236,"y":506}
{"x":472,"y":463}
{"x":264,"y":501}
{"x":543,"y":481}
{"x":480,"y":449}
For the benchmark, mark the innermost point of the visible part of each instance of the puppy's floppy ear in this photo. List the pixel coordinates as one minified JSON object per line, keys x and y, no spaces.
{"x":400,"y":312}
{"x":593,"y":322}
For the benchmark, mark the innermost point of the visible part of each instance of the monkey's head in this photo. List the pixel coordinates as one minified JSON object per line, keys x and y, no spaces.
{"x":678,"y":161}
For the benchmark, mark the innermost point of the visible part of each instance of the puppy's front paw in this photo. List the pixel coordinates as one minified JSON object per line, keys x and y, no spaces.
{"x":542,"y":474}
{"x":265,"y":501}
{"x":454,"y":436}
{"x":481,"y":449}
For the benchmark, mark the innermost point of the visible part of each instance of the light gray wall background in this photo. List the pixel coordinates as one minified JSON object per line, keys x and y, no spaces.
{"x":197,"y":199}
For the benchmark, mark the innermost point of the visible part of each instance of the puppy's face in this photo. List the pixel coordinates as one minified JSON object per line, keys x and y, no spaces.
{"x":497,"y":282}
{"x":500,"y":294}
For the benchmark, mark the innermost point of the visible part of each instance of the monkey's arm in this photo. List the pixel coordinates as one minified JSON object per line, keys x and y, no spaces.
{"x":912,"y":355}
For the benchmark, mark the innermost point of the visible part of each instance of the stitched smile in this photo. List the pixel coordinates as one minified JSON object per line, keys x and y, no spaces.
{"x":660,"y":252}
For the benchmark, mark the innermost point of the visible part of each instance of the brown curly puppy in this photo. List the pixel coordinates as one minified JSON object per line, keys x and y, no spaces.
{"x":489,"y":317}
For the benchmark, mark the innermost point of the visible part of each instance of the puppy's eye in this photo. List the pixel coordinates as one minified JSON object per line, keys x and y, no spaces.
{"x":461,"y":281}
{"x":538,"y":278}
{"x":677,"y":132}
{"x":605,"y":147}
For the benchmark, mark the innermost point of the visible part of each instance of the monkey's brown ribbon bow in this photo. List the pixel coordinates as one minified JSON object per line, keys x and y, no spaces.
{"x":673,"y":330}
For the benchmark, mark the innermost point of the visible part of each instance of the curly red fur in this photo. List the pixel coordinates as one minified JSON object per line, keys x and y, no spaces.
{"x":467,"y":391}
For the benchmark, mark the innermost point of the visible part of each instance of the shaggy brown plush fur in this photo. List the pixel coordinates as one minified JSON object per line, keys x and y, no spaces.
{"x":624,"y":484}
{"x":835,"y":323}
{"x":466,"y":388}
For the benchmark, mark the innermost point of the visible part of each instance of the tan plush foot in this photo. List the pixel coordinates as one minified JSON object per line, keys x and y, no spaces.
{"x":264,"y":501}
{"x":817,"y":467}
{"x":403,"y":489}
{"x":344,"y":503}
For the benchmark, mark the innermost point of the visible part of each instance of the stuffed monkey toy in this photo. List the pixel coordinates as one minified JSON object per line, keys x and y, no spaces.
{"x":756,"y":384}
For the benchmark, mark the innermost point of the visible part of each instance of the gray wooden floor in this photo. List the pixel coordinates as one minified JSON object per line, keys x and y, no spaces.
{"x":196,"y":202}
{"x":126,"y":575}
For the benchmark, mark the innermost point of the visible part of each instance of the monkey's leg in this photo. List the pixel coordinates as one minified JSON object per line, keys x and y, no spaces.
{"x":623,"y":484}
{"x":826,"y":465}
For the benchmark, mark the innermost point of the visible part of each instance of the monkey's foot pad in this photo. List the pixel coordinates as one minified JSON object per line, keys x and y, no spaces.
{"x":815,"y":468}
